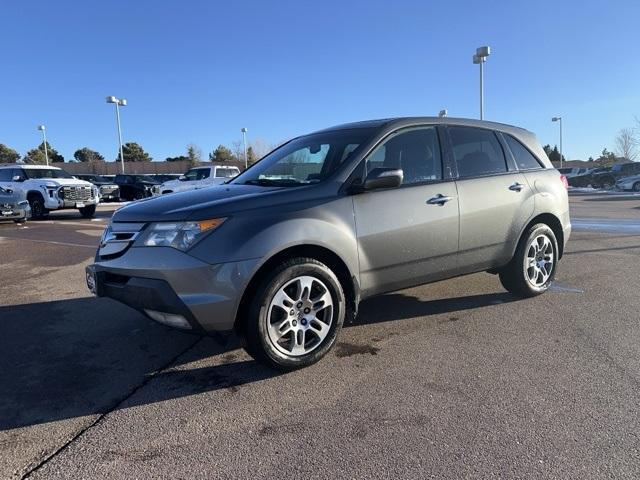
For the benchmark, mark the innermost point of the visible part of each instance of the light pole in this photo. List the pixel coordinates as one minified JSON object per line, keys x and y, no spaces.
{"x":479,"y":58}
{"x":43,"y":129}
{"x":559,"y":120}
{"x":119,"y":102}
{"x":244,"y":143}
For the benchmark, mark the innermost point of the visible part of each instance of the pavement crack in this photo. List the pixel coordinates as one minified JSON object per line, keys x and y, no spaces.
{"x":147,"y":379}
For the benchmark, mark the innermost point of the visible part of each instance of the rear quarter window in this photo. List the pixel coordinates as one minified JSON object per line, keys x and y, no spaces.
{"x":523,"y":157}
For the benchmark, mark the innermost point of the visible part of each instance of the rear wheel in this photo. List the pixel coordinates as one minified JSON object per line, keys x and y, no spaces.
{"x":296,"y":314}
{"x":636,"y":187}
{"x":88,"y":211}
{"x":533,"y":267}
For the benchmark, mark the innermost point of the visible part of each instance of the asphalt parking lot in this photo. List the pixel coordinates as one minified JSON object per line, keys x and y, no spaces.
{"x":457,"y":379}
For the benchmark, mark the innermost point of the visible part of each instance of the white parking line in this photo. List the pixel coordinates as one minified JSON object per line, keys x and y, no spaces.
{"x":64,"y":222}
{"x":66,"y":244}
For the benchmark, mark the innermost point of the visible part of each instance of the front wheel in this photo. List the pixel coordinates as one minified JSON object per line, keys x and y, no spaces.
{"x":296,"y":315}
{"x":88,"y":211}
{"x":533,"y":267}
{"x":636,"y":187}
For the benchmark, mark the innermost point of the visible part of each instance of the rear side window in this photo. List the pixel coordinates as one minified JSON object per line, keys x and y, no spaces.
{"x":524,"y":158}
{"x":416,"y":152}
{"x":476,"y":151}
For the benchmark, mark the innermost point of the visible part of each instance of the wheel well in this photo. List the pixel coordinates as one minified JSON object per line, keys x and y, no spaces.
{"x":33,"y":194}
{"x":322,"y":254}
{"x":554,"y":224}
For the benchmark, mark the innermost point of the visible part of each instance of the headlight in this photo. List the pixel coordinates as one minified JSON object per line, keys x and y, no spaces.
{"x":180,"y":235}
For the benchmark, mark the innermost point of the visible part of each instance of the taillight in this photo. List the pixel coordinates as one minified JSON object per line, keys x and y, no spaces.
{"x":565,"y":182}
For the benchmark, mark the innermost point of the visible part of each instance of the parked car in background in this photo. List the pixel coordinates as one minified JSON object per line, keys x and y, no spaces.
{"x":284,"y":252}
{"x":574,"y":172}
{"x":50,"y":188}
{"x":108,"y":189}
{"x":14,"y":205}
{"x":134,"y":187}
{"x":198,"y":177}
{"x":631,"y":183}
{"x":165,"y":177}
{"x":608,"y":179}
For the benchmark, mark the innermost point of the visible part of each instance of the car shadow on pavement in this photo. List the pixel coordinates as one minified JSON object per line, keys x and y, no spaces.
{"x":398,"y":306}
{"x":73,"y":358}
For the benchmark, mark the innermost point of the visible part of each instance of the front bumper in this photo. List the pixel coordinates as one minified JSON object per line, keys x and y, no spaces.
{"x":15,"y":212}
{"x":163,"y":279}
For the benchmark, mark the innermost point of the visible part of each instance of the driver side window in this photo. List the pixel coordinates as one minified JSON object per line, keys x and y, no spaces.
{"x":416,"y":152}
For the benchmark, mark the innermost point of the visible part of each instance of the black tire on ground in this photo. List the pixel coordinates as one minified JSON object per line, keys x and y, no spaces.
{"x":258,"y":342}
{"x":88,"y":211}
{"x":37,"y":207}
{"x":514,"y":276}
{"x":21,"y":220}
{"x":636,"y":187}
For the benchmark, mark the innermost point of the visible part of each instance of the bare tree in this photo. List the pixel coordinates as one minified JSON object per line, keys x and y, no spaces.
{"x":238,"y":150}
{"x":627,"y":143}
{"x":260,"y":148}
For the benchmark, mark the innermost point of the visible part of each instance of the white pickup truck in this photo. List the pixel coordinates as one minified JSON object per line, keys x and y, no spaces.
{"x":50,"y":188}
{"x":197,"y":177}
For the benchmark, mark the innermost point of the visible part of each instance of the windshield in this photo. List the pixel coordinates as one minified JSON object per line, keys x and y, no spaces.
{"x":46,"y":173}
{"x":305,"y":160}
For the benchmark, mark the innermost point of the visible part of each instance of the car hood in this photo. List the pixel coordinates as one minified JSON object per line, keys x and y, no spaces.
{"x":630,"y":178}
{"x":210,"y":202}
{"x":172,"y":183}
{"x":64,"y":182}
{"x":15,"y":197}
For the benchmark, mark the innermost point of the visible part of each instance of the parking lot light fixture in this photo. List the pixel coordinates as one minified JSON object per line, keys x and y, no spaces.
{"x":43,"y":129}
{"x":559,"y":120}
{"x":443,"y":113}
{"x":119,"y":102}
{"x":478,"y":59}
{"x":244,"y":144}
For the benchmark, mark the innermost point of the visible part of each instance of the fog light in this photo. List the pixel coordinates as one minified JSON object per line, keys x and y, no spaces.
{"x":171,"y":319}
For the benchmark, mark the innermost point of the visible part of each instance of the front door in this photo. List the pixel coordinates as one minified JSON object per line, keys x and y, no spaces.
{"x":407,"y":235}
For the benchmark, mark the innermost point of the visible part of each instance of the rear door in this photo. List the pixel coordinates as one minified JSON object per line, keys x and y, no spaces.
{"x":407,"y":235}
{"x":495,"y":199}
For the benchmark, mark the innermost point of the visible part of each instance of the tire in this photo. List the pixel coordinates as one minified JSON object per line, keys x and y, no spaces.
{"x":38,"y":211}
{"x":139,"y":195}
{"x":516,"y":278}
{"x":88,"y":211}
{"x":20,"y":220}
{"x":636,"y":187}
{"x":308,"y":336}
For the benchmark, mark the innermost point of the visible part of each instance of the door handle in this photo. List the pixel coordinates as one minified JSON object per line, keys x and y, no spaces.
{"x":516,"y":187}
{"x":439,"y":200}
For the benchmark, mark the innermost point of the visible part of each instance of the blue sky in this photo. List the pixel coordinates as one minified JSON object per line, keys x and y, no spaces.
{"x":198,"y":71}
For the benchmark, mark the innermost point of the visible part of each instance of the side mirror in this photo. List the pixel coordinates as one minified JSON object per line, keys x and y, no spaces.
{"x":383,"y":178}
{"x":182,"y":178}
{"x":17,"y":178}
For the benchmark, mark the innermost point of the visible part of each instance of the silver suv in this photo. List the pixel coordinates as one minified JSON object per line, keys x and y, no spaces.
{"x":284,"y":253}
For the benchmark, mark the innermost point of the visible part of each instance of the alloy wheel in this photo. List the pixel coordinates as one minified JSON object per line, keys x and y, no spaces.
{"x":300,"y":316}
{"x":539,"y":261}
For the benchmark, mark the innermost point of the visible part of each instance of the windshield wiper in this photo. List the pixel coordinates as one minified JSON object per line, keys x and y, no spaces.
{"x":271,"y":182}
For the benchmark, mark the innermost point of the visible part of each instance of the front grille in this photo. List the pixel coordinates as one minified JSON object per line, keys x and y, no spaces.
{"x":117,"y":238}
{"x":76,"y":193}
